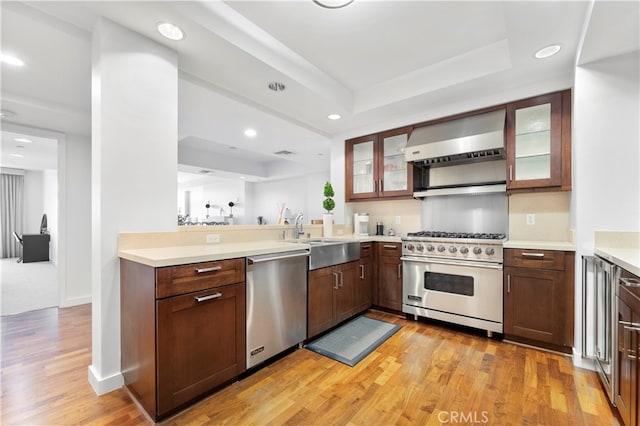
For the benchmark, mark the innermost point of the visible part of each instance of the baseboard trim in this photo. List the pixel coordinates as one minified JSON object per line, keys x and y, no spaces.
{"x":75,"y":301}
{"x":104,"y":385}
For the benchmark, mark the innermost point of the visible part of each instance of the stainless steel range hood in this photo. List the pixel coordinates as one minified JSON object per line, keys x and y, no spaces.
{"x":469,"y":139}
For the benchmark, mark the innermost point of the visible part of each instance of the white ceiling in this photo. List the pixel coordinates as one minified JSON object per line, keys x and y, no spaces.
{"x":378,"y":63}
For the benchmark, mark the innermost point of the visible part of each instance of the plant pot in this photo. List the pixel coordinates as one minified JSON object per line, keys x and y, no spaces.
{"x":327,"y":225}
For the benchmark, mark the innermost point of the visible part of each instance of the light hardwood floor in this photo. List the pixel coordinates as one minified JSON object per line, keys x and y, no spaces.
{"x":425,"y":374}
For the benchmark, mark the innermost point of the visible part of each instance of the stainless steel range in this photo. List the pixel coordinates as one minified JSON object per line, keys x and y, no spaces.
{"x":454,"y":277}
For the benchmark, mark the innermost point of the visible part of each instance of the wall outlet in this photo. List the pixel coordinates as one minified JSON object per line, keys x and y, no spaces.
{"x":531,"y":219}
{"x":398,"y":220}
{"x":213,"y":238}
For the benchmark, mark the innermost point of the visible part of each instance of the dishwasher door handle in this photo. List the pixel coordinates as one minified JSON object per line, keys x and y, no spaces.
{"x":254,"y":260}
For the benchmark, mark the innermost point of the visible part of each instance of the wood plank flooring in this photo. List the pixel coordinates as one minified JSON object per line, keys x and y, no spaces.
{"x":425,"y":374}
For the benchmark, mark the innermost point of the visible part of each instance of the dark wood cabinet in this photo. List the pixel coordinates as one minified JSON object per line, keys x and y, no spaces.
{"x":628,"y":350}
{"x":364,"y":290}
{"x":538,"y":143}
{"x":182,"y":331}
{"x":538,"y":297}
{"x":389,"y":282}
{"x":375,"y":167}
{"x":331,"y":296}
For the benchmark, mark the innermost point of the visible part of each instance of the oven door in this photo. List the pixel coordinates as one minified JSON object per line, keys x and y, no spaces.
{"x":468,"y":293}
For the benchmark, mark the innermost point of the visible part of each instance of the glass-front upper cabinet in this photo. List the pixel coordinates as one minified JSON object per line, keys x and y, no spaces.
{"x":375,"y":166}
{"x":534,"y":142}
{"x":361,"y":167}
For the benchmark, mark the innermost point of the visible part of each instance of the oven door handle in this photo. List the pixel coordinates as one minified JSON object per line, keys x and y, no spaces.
{"x":468,"y":263}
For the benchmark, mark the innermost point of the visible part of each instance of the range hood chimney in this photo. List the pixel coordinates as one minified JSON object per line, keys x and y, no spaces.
{"x":465,"y":140}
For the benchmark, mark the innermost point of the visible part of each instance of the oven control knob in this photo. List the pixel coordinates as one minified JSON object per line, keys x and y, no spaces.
{"x":452,"y":249}
{"x":464,"y":250}
{"x":441,"y":248}
{"x":490,"y":251}
{"x":477,"y":250}
{"x":410,"y":247}
{"x":430,"y":247}
{"x":419,"y":247}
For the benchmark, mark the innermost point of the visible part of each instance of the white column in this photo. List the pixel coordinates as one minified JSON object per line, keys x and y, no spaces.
{"x":134,"y":170}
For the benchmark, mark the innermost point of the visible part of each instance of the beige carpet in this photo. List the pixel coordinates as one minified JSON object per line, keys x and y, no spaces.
{"x":27,"y":286}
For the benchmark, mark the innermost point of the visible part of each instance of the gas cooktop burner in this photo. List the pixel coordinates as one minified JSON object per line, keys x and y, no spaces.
{"x":441,"y":234}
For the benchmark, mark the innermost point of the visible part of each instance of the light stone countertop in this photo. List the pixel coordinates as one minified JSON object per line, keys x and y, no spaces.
{"x":540,"y":245}
{"x":182,"y":255}
{"x":626,"y":258}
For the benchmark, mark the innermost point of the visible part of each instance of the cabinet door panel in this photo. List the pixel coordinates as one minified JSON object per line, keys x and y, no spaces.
{"x":201,"y":344}
{"x":534,"y":142}
{"x":627,"y":381}
{"x":394,"y":173}
{"x":360,"y":167}
{"x":364,"y":293}
{"x":390,"y":282}
{"x":533,"y":302}
{"x":321,"y":316}
{"x":345,"y":296}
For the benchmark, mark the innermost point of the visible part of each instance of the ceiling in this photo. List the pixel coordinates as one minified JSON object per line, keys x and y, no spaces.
{"x":377,"y":63}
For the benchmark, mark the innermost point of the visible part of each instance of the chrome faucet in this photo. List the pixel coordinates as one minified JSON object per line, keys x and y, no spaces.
{"x":297,"y":231}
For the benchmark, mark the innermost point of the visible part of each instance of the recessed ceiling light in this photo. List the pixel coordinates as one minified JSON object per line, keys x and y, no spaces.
{"x":333,"y":4}
{"x":250,"y":133}
{"x":11,"y":60}
{"x":17,"y":155}
{"x":334,"y":116}
{"x":22,"y":140}
{"x":547,"y":51}
{"x":170,"y":31}
{"x":242,"y":177}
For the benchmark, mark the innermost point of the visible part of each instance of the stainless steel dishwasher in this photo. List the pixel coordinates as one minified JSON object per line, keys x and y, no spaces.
{"x":276,"y":289}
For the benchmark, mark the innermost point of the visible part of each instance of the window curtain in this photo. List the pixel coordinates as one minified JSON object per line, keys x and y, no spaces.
{"x":11,"y":213}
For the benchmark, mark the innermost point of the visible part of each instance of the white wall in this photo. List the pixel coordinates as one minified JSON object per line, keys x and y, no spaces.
{"x":76,"y":288}
{"x":606,"y":149}
{"x":33,"y":201}
{"x":134,"y":129}
{"x":303,"y":194}
{"x":218,"y":194}
{"x":50,"y":207}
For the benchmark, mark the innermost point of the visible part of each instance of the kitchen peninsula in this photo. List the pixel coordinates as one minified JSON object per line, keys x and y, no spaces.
{"x":175,"y":287}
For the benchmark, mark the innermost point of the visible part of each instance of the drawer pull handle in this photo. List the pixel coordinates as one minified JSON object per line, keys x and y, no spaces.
{"x":629,"y":325}
{"x":209,"y":297}
{"x":390,"y":246}
{"x":630,"y":282}
{"x":362,"y":272}
{"x":399,"y":270}
{"x":508,"y":284}
{"x":203,"y":270}
{"x":525,"y":254}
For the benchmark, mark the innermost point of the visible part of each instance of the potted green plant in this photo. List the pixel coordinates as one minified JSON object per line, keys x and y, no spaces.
{"x":329,"y":205}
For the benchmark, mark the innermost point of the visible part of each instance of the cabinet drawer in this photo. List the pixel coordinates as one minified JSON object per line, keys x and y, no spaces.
{"x":539,"y":259}
{"x":175,"y":280}
{"x":389,"y":249}
{"x":366,"y":249}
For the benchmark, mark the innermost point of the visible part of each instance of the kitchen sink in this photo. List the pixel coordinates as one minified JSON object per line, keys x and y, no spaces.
{"x":328,"y":252}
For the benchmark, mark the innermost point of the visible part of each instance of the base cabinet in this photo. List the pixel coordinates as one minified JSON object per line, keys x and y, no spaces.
{"x":183,"y":331}
{"x":538,"y":298}
{"x":389,"y":284}
{"x":364,"y":290}
{"x":331,"y":296}
{"x":628,"y":350}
